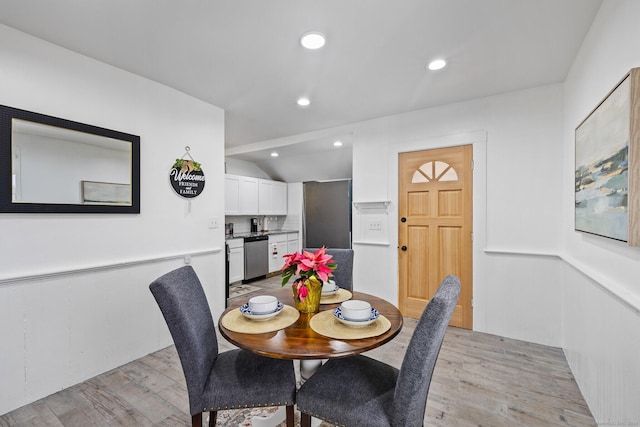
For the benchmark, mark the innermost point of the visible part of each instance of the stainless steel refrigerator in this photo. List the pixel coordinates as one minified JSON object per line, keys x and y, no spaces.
{"x":327,"y":214}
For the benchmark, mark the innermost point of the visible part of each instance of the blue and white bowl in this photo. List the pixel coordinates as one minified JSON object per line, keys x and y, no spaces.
{"x":244,"y":309}
{"x":337,"y":312}
{"x":355,"y":310}
{"x":329,"y":288}
{"x":263,"y":304}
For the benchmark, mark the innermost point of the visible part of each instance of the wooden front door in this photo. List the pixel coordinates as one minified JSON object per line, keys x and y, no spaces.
{"x":435,"y":228}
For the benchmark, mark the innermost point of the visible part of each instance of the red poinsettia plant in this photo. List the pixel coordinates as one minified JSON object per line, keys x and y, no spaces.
{"x":307,"y":264}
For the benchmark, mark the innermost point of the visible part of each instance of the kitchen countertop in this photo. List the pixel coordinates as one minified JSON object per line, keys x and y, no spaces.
{"x":261,"y":233}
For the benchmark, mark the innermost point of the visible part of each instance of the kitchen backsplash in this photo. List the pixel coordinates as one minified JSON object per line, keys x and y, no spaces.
{"x":291,"y":222}
{"x":242,"y":224}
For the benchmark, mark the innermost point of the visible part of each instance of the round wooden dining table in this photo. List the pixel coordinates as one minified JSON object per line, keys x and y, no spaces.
{"x":300,"y":342}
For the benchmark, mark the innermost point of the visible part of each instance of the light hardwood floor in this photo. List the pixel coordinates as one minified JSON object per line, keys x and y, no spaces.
{"x":479,"y":380}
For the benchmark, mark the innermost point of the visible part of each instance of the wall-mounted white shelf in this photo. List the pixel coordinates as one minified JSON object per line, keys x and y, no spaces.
{"x":371,"y":243}
{"x":372,"y":205}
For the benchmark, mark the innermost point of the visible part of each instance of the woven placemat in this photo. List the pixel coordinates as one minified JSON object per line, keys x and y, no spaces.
{"x":340,"y":296}
{"x":236,"y":322}
{"x":325,"y":323}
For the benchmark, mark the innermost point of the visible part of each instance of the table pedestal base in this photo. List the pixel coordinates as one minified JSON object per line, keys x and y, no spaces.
{"x":308,"y":368}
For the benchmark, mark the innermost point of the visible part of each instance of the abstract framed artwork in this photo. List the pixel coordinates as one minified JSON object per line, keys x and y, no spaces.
{"x":607,"y":163}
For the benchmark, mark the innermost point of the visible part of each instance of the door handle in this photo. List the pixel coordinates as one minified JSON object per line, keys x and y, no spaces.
{"x":403,"y":219}
{"x":404,"y":248}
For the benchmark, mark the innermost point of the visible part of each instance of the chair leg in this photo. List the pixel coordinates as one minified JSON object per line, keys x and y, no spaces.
{"x":213,"y":416}
{"x":305,"y":420}
{"x":290,"y":416}
{"x":196,"y":420}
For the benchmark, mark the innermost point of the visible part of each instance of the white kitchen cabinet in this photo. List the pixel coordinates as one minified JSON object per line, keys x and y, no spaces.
{"x":236,"y":260}
{"x":249,"y":196}
{"x":292,"y":243}
{"x":241,"y":195}
{"x":254,"y":196}
{"x":273,"y":197}
{"x":279,"y":198}
{"x":231,"y":195}
{"x":277,"y":248}
{"x":265,"y":197}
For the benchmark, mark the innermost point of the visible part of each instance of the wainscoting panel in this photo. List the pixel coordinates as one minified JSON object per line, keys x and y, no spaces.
{"x":61,"y":329}
{"x":601,"y":341}
{"x":522,"y":296}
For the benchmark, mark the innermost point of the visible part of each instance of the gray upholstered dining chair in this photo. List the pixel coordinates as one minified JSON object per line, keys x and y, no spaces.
{"x":360,"y":391}
{"x":217,"y":381}
{"x":343,"y":275}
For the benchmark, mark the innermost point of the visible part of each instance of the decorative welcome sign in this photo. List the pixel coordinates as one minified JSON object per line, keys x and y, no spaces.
{"x":187,"y":177}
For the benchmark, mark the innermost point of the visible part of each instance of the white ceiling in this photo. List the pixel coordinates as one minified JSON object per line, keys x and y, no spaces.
{"x":245,"y":56}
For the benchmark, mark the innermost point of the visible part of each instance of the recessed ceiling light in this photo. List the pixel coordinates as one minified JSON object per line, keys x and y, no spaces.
{"x":274,"y":154}
{"x":437,"y":64}
{"x":337,"y":144}
{"x":303,"y":101}
{"x":312,"y":40}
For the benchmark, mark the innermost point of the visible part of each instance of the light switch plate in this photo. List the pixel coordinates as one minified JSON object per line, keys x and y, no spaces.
{"x":375,"y":225}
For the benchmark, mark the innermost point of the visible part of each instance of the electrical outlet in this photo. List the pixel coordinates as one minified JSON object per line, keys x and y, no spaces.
{"x":187,"y":259}
{"x":213,"y":222}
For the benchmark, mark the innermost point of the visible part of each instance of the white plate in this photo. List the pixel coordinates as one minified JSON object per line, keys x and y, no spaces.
{"x":330,"y":291}
{"x":337,"y":312}
{"x":244,"y":309}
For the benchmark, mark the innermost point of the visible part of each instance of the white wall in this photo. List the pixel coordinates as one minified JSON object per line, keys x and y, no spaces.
{"x":517,"y":156}
{"x":244,"y":168}
{"x":601,"y":290}
{"x":74,"y":297}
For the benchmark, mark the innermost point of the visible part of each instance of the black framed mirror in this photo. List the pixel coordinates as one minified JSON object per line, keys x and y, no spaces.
{"x":54,"y":165}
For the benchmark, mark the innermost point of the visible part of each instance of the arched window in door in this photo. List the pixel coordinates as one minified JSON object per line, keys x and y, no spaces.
{"x":434,"y":171}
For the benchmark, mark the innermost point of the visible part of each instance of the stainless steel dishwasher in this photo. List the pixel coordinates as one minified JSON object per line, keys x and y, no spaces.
{"x":256,"y":257}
